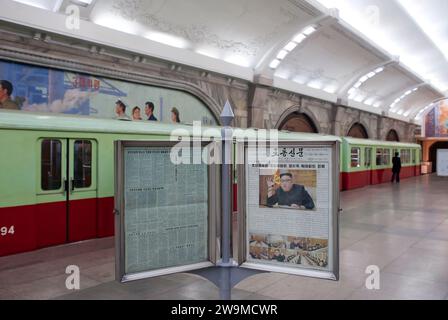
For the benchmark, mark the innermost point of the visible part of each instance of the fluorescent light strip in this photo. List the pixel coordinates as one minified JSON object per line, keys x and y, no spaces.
{"x":353,"y":90}
{"x":419,"y":115}
{"x":274,"y":64}
{"x":354,"y":15}
{"x":281,"y":55}
{"x":398,"y":100}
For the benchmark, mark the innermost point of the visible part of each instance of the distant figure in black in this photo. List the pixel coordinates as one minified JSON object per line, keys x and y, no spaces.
{"x":396,"y":168}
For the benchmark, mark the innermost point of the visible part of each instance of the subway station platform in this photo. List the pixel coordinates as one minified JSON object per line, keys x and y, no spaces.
{"x":403,"y":229}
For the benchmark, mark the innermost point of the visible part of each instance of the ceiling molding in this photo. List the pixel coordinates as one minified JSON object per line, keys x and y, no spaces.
{"x":342,"y":92}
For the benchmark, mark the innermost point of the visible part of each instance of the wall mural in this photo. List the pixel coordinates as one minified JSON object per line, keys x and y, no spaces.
{"x":40,"y":89}
{"x":436,"y":121}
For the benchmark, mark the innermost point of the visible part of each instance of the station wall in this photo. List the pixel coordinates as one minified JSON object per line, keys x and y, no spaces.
{"x":255,"y":104}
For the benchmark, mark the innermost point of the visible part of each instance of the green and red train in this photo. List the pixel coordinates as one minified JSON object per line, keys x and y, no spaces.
{"x":57,"y":180}
{"x":369,"y":162}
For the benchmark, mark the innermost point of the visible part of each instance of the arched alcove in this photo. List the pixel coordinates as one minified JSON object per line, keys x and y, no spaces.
{"x":358,"y":131}
{"x":298,"y":122}
{"x":392,"y":136}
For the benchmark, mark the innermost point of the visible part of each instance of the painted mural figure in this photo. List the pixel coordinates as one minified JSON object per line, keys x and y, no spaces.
{"x":175,"y":116}
{"x":6,"y":89}
{"x":120,"y":111}
{"x":136,"y":114}
{"x":149,"y":111}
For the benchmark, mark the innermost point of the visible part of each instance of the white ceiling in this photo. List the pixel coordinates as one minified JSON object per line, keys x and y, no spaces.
{"x":403,"y":40}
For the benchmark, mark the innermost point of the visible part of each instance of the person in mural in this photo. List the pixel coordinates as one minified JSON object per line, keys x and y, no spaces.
{"x":175,"y":116}
{"x":120,"y":110}
{"x":6,"y":89}
{"x":136,"y":114}
{"x":396,"y":168}
{"x":149,"y":111}
{"x":289,"y":194}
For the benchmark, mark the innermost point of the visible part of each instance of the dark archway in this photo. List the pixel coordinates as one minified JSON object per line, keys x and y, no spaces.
{"x":358,"y":131}
{"x":433,"y":153}
{"x":392,"y":136}
{"x":298,"y":122}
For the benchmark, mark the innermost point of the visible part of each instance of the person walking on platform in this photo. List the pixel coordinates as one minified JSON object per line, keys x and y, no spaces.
{"x":396,"y":168}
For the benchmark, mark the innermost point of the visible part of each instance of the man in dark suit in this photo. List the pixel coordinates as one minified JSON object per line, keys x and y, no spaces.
{"x":149,"y":111}
{"x":396,"y":168}
{"x":289,"y":194}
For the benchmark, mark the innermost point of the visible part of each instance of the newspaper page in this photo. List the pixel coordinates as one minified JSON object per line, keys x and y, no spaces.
{"x":166,"y":217}
{"x":289,"y":207}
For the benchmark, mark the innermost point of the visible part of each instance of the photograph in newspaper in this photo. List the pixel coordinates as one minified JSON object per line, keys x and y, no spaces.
{"x":289,"y":208}
{"x":288,"y":189}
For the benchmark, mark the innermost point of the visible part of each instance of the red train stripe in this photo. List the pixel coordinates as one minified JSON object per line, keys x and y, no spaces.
{"x":38,"y":226}
{"x":355,"y":180}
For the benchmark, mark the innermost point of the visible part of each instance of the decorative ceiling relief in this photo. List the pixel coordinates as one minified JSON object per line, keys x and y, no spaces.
{"x":229,"y":26}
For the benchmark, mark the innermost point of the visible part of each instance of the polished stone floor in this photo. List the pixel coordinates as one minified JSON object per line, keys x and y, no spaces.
{"x":403,"y":229}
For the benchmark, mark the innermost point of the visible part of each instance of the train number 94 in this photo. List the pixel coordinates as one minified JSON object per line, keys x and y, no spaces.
{"x":5,"y":231}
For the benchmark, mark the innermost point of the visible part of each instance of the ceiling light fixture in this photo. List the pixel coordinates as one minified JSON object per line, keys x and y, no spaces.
{"x":281,"y":55}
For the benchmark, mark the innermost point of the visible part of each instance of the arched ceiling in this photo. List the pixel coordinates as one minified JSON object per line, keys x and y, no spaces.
{"x":383,"y":56}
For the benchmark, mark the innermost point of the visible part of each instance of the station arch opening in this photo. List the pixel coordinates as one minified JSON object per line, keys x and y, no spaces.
{"x":299,"y":122}
{"x":392,"y":136}
{"x":358,"y":131}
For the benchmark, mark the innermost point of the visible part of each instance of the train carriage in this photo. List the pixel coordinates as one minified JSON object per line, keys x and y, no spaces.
{"x":57,"y":175}
{"x":369,"y":162}
{"x":57,"y":181}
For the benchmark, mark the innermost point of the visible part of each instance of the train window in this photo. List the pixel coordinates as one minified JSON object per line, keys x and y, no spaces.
{"x":406,"y":156}
{"x":386,"y":157}
{"x":414,"y":156}
{"x":379,"y":157}
{"x":356,"y":157}
{"x":368,"y":158}
{"x":51,"y":165}
{"x":83,"y":164}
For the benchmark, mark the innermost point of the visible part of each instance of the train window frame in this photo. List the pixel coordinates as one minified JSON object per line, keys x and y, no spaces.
{"x":386,"y":156}
{"x":368,"y":157}
{"x":379,"y":157}
{"x":60,"y":186}
{"x":355,"y":157}
{"x":405,"y":156}
{"x":89,"y":142}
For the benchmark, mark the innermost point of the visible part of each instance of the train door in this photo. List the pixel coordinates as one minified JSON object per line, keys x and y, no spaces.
{"x":368,"y":164}
{"x":51,"y":208}
{"x":82,"y":202}
{"x":67,"y":191}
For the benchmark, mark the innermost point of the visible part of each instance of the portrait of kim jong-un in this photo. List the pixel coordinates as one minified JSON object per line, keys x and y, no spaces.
{"x":288,"y":189}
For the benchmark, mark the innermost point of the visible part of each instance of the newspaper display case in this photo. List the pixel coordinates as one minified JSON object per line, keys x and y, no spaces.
{"x":288,"y":208}
{"x":166,"y":214}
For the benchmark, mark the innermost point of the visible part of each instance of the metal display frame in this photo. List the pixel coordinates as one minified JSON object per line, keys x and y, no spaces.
{"x":241,"y":227}
{"x":214,"y":211}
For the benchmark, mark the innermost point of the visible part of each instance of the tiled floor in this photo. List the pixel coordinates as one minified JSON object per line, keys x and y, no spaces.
{"x":403,"y":229}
